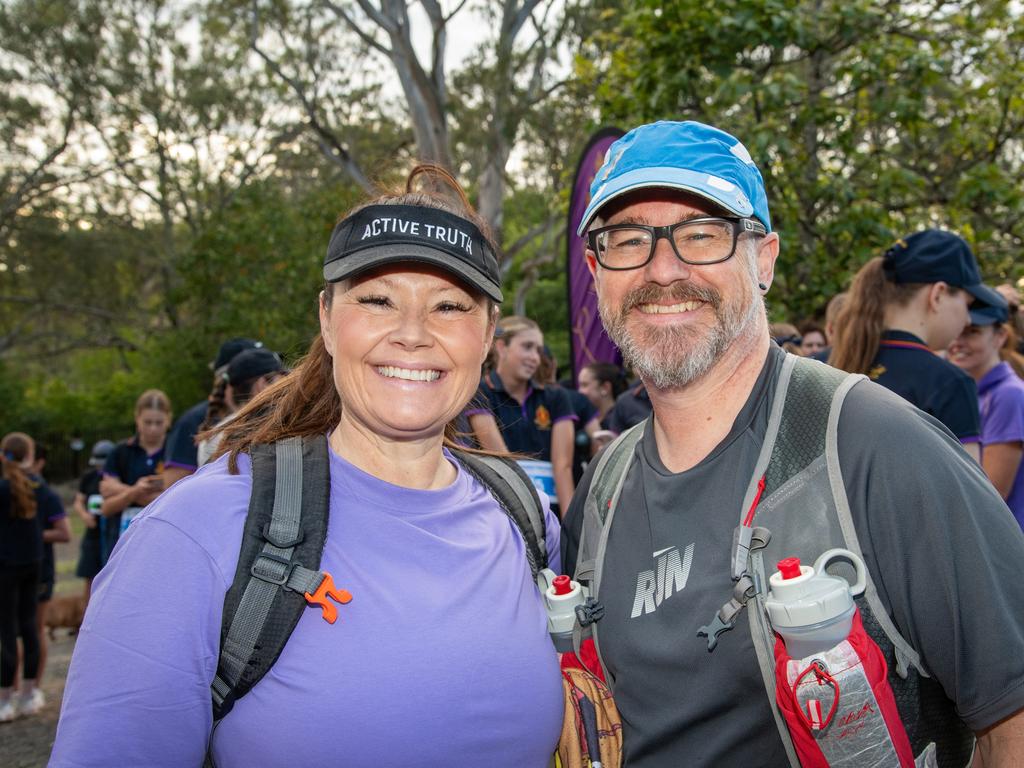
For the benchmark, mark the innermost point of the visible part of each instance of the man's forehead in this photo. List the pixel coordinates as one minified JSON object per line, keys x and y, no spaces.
{"x":645,"y":203}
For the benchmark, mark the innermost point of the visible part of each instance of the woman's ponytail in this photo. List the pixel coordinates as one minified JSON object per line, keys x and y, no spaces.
{"x":15,"y":449}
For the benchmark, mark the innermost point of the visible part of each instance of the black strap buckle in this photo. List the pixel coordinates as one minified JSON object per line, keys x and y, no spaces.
{"x":589,"y":612}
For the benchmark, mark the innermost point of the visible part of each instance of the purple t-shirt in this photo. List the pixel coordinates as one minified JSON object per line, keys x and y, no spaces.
{"x":1001,"y":402}
{"x":441,"y":658}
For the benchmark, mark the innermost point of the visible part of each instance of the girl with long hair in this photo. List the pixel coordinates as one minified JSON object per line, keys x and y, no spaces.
{"x":515,"y":411}
{"x":132,"y":472}
{"x":26,"y":505}
{"x":904,"y":307}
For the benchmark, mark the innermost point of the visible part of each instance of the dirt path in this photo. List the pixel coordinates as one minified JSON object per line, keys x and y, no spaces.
{"x":27,"y":741}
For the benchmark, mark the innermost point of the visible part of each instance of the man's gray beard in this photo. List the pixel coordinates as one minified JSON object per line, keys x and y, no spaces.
{"x":673,"y":356}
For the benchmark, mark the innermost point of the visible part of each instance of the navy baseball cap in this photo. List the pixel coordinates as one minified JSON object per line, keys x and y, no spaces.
{"x":688,"y":156}
{"x":934,"y":256}
{"x":386,"y":234}
{"x":253,"y":363}
{"x":232,"y":347}
{"x":984,"y":313}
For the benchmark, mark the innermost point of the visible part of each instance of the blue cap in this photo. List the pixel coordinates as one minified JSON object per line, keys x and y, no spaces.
{"x":687,"y":156}
{"x":984,"y":313}
{"x":934,"y":256}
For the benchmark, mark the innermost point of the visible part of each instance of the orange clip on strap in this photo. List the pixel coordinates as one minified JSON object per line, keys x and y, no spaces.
{"x":325,"y":590}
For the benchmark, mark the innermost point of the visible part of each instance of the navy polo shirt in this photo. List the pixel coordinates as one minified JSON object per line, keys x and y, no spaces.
{"x":129,"y":461}
{"x":631,"y":407}
{"x":526,"y":428}
{"x":181,"y":442}
{"x":909,"y":368}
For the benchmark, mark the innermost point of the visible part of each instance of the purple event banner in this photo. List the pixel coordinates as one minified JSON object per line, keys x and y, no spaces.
{"x":588,"y":343}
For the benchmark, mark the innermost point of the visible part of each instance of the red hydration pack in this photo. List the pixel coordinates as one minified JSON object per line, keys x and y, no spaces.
{"x":839,"y":707}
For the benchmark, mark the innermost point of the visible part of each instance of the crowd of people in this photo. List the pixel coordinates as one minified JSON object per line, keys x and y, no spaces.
{"x":354,"y":483}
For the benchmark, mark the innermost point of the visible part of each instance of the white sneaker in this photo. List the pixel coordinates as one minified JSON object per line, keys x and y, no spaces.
{"x":7,"y":712}
{"x":31,"y":704}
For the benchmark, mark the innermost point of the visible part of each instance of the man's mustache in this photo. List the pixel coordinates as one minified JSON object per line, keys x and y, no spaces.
{"x":676,"y":293}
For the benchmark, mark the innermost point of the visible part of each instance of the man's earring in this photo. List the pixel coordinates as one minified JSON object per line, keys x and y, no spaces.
{"x":762,"y":286}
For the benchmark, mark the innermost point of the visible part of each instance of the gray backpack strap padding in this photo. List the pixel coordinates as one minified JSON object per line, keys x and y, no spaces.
{"x":517,"y":496}
{"x":904,"y":653}
{"x":279,"y":560}
{"x":759,"y":630}
{"x":598,"y":514}
{"x":605,"y":485}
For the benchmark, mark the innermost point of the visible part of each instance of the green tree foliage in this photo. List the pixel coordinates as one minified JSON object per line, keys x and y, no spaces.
{"x":869,"y":120}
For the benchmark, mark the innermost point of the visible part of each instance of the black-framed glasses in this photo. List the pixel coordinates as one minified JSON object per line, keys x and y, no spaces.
{"x":707,"y":240}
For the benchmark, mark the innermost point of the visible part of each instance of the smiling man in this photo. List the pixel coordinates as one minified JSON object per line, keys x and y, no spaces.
{"x":726,"y":478}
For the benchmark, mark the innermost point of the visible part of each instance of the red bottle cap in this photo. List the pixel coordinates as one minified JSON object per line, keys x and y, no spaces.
{"x":790,"y":567}
{"x":562,"y":585}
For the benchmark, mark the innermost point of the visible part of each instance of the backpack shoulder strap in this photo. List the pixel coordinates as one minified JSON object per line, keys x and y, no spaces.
{"x":598,"y":514}
{"x":602,"y":496}
{"x":905,"y":654}
{"x":278,"y":563}
{"x":518,"y":498}
{"x":811,"y":429}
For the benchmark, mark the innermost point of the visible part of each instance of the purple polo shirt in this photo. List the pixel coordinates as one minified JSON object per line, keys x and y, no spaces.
{"x":1001,"y":402}
{"x":442,"y":658}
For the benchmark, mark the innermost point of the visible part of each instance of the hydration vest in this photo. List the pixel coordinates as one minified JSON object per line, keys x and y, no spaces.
{"x":795,"y":504}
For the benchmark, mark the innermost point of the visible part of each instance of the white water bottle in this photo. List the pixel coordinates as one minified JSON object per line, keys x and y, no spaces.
{"x":561,"y":596}
{"x":811,"y":609}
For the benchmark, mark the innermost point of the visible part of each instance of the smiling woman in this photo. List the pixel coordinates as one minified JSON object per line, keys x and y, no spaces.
{"x":441,"y":610}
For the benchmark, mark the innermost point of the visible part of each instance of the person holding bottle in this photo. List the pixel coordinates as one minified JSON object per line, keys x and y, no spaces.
{"x":132,"y":472}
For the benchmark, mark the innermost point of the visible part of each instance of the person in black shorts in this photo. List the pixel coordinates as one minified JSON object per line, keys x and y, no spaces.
{"x":87,"y":504}
{"x":30,"y":515}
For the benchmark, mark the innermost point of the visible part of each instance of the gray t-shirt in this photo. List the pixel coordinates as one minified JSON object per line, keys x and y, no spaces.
{"x":942,"y":547}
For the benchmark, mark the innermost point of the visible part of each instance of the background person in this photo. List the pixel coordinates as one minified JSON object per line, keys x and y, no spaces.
{"x":445,"y":632}
{"x":904,"y":306}
{"x":131,"y":474}
{"x":832,"y":310}
{"x":181,"y":457}
{"x":812,"y":339}
{"x":602,"y":383}
{"x":786,"y":336}
{"x":1012,"y":295}
{"x":978,"y":351}
{"x":631,"y":407}
{"x":249,"y":373}
{"x":26,"y":505}
{"x":87,"y":504}
{"x":514,"y":412}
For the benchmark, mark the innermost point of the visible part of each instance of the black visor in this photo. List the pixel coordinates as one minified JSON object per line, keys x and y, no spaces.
{"x":386,"y":234}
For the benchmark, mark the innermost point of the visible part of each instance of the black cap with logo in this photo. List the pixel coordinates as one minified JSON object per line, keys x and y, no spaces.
{"x":384,"y":234}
